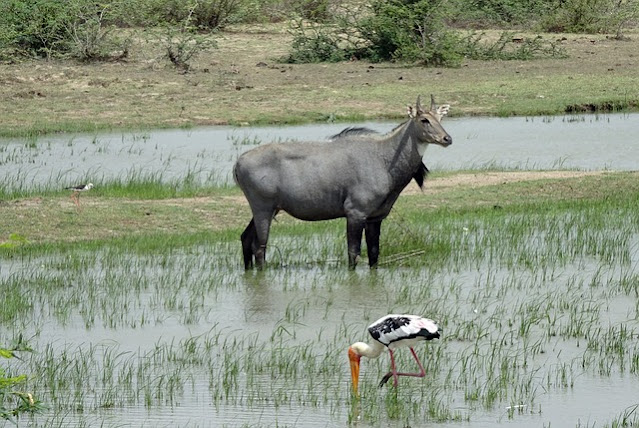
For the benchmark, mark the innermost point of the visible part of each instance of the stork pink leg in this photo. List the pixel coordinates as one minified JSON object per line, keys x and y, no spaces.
{"x":393,"y":368}
{"x":396,"y":374}
{"x":421,"y":373}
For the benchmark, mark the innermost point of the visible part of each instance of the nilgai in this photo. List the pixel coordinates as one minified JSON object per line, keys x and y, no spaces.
{"x":358,"y":174}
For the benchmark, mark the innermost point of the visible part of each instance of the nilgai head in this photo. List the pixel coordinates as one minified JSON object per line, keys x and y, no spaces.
{"x":428,"y":122}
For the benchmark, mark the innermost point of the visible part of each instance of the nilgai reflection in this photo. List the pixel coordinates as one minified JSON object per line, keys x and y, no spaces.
{"x":358,"y":175}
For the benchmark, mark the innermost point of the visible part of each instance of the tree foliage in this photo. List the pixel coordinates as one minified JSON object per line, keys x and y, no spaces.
{"x":413,"y":31}
{"x":421,"y":31}
{"x":58,"y":28}
{"x":591,"y":16}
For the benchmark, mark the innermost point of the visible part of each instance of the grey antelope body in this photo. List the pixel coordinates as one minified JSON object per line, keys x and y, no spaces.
{"x":355,"y":175}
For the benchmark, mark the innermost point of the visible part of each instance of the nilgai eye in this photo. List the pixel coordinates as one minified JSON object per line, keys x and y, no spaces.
{"x":425,"y":121}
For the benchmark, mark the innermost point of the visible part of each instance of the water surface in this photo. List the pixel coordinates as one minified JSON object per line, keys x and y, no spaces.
{"x":190,"y":339}
{"x":591,"y":142}
{"x":539,"y":328}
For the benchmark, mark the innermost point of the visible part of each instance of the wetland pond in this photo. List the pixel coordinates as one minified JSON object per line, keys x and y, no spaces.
{"x":207,"y":154}
{"x":538,"y":310}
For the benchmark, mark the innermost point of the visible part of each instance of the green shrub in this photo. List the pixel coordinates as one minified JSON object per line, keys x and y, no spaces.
{"x":216,"y":14}
{"x":396,"y":30}
{"x":410,"y":31}
{"x":202,"y":14}
{"x":497,"y":13}
{"x":576,"y":16}
{"x":591,"y":16}
{"x":315,"y":44}
{"x":313,"y":10}
{"x":508,"y":47}
{"x":182,"y":43}
{"x":57,"y":28}
{"x":36,"y":28}
{"x":93,"y":39}
{"x":624,"y":14}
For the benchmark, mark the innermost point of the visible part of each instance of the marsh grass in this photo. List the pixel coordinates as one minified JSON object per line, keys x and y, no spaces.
{"x":134,"y":184}
{"x":536,"y":299}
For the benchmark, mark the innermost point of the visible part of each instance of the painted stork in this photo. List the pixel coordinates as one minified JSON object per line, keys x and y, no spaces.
{"x":75,"y":196}
{"x":392,"y":331}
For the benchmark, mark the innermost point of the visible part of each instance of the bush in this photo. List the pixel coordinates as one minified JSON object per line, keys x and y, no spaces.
{"x":93,"y":39}
{"x":315,"y":44}
{"x":182,"y":43}
{"x":498,"y":13}
{"x":407,"y":30}
{"x":508,"y":47}
{"x":202,"y":14}
{"x":313,"y":10}
{"x":396,"y":30}
{"x":625,"y":13}
{"x":591,"y":16}
{"x":575,"y":16}
{"x":57,"y":28}
{"x":36,"y":28}
{"x":317,"y":48}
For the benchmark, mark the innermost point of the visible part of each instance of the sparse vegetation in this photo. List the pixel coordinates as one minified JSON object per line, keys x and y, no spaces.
{"x":142,"y":43}
{"x":547,"y":277}
{"x":182,"y":43}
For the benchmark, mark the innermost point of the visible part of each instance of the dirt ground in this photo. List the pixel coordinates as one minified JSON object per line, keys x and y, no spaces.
{"x":243,"y":81}
{"x":56,"y":219}
{"x":481,"y":179}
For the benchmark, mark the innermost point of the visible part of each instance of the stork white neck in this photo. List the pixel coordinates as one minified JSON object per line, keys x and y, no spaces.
{"x":366,"y":350}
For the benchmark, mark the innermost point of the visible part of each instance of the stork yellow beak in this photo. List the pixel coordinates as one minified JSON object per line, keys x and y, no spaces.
{"x":354,"y":359}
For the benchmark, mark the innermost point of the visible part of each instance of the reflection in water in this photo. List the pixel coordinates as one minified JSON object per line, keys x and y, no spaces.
{"x":258,"y":304}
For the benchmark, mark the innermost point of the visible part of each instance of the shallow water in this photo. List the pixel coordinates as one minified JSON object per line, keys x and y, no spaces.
{"x":281,"y":335}
{"x":590,"y":142}
{"x":187,"y":338}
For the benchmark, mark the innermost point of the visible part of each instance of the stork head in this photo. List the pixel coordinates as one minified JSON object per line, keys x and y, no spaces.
{"x":354,"y":358}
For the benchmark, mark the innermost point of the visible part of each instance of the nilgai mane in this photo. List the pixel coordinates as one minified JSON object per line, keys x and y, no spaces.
{"x":358,"y":174}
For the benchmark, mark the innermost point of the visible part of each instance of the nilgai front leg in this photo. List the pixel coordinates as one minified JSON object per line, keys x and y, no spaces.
{"x":262,"y":227}
{"x":249,"y":244}
{"x":354,"y":230}
{"x":373,"y":230}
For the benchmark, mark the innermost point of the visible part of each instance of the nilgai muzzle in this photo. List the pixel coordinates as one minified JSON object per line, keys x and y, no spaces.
{"x":358,"y":174}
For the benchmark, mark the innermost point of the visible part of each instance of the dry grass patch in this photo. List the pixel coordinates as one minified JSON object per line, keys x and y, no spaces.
{"x":54,"y":219}
{"x":243,"y":82}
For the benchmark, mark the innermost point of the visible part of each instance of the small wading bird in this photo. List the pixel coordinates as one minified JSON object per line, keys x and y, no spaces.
{"x":75,"y":196}
{"x":392,"y":331}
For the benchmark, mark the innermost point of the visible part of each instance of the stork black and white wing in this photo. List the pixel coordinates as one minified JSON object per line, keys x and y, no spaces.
{"x":391,"y":332}
{"x":395,"y":328}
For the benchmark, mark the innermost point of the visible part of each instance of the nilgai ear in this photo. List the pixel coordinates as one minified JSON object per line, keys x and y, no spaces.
{"x":418,"y":105}
{"x":410,"y":111}
{"x":442,"y":111}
